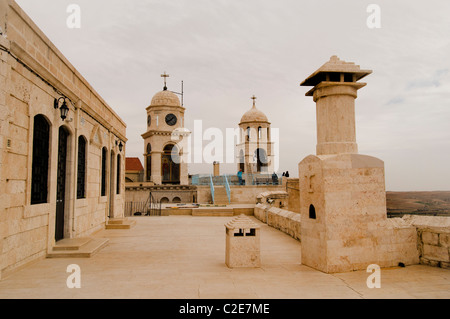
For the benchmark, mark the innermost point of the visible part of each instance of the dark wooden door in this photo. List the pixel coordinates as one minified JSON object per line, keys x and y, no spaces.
{"x":61,"y":184}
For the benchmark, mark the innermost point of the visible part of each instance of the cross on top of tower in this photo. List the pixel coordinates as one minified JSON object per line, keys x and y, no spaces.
{"x":165,"y":76}
{"x":254,"y":100}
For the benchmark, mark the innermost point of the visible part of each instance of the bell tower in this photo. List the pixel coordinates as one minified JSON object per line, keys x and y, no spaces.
{"x":255,"y":150}
{"x":164,"y":150}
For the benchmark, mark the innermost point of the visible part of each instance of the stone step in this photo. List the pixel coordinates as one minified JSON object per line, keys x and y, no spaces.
{"x":77,"y":248}
{"x":220,"y":196}
{"x":120,"y":224}
{"x":223,"y":202}
{"x":71,"y":244}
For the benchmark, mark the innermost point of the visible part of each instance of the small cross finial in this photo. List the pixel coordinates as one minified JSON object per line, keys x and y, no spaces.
{"x":254,"y":100}
{"x":165,"y":76}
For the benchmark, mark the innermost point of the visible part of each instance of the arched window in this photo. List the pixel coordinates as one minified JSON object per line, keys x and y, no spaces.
{"x":39,"y":177}
{"x":170,"y":165}
{"x":103,"y":188}
{"x":118,"y":184}
{"x":149,"y":162}
{"x":312,"y":212}
{"x":81,"y":169}
{"x":260,"y":132}
{"x":261,"y":159}
{"x":248,"y":133}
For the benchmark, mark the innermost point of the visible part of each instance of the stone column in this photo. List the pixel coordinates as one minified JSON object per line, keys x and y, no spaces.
{"x":336,"y":131}
{"x":216,"y":166}
{"x":156,"y":167}
{"x":184,"y":174}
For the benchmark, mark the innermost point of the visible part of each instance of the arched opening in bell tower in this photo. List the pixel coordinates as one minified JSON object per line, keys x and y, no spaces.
{"x":170,"y":165}
{"x":261,"y":160}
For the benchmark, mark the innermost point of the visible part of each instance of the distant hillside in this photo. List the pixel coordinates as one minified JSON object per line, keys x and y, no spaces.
{"x":426,"y":203}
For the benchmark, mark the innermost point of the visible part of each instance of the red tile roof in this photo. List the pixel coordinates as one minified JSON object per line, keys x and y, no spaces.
{"x":133,"y":164}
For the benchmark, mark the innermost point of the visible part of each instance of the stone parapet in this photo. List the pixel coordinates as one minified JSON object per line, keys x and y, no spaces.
{"x":286,"y":221}
{"x":433,"y":239}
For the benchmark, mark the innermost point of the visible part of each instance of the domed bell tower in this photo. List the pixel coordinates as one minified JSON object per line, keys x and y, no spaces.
{"x":255,"y":151}
{"x":163,"y":141}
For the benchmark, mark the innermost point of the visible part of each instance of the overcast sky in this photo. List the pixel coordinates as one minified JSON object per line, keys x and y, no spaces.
{"x":225,"y":51}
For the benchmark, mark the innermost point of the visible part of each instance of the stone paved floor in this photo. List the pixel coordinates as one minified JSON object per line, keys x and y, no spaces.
{"x":183,"y":257}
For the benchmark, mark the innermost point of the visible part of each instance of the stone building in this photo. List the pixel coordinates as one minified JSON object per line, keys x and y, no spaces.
{"x":164,"y":152}
{"x":255,"y":150}
{"x":62,"y":148}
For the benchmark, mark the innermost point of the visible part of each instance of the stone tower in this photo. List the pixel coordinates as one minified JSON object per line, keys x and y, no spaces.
{"x":163,"y":142}
{"x":342,"y":193}
{"x":255,"y":150}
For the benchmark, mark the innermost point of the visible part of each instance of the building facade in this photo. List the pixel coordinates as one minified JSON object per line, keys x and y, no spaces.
{"x":62,"y":148}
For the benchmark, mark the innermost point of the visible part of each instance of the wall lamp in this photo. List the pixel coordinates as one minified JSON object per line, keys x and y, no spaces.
{"x":120,"y":145}
{"x":64,"y":109}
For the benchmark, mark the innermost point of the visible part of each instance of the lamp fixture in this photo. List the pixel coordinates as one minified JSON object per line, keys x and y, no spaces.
{"x":119,"y":143}
{"x":64,"y":109}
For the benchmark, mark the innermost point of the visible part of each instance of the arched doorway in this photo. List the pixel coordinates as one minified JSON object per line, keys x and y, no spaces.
{"x":61,"y":183}
{"x":261,"y":160}
{"x":170,"y":165}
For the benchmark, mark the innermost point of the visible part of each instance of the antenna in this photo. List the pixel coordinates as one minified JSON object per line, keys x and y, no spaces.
{"x":182,"y":93}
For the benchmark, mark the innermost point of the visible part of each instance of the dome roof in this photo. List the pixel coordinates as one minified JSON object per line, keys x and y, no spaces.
{"x":165,"y":98}
{"x":254,"y":115}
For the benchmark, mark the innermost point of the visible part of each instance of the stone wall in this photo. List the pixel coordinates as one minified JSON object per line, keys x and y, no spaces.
{"x":431,"y":235}
{"x":292,"y":187}
{"x":283,"y":220}
{"x":239,"y":194}
{"x":433,"y":238}
{"x":139,"y":192}
{"x":33,"y":72}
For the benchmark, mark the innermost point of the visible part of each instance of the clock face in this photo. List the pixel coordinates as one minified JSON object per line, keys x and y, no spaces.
{"x":149,"y":120}
{"x":171,"y":119}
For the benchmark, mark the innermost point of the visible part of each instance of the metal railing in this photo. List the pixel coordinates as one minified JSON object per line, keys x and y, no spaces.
{"x":233,"y":180}
{"x":150,"y":207}
{"x":227,"y":188}
{"x":211,"y":184}
{"x":154,"y":207}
